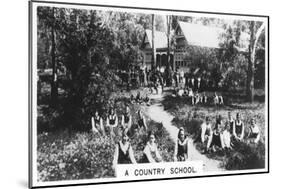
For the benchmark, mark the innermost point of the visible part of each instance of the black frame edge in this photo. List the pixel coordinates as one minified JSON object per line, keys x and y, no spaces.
{"x":30,"y":89}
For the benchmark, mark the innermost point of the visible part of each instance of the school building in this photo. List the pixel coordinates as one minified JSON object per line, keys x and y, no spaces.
{"x":185,"y":34}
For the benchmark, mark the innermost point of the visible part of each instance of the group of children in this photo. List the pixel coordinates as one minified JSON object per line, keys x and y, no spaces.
{"x":139,"y":99}
{"x":226,"y":135}
{"x":222,"y":136}
{"x":199,"y":98}
{"x":124,"y":153}
{"x":183,"y":80}
{"x":112,"y":126}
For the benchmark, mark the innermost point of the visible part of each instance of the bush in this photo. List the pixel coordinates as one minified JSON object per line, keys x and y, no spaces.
{"x":246,"y":156}
{"x":80,"y":156}
{"x":48,"y":119}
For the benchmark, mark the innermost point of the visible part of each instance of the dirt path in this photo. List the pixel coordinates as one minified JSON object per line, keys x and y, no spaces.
{"x":157,"y":113}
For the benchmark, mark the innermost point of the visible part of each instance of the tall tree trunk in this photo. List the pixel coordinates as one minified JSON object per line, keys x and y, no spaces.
{"x":168,"y":42}
{"x":54,"y":84}
{"x":251,"y":59}
{"x":168,"y":66}
{"x":153,"y":61}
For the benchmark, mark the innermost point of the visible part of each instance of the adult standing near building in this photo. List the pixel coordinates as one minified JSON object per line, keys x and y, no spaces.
{"x":199,"y":84}
{"x":186,"y":80}
{"x":145,"y":72}
{"x":192,"y":83}
{"x":175,"y":79}
{"x":195,"y":84}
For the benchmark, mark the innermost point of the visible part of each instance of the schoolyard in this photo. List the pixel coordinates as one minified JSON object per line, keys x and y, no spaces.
{"x":243,"y":155}
{"x":83,"y":155}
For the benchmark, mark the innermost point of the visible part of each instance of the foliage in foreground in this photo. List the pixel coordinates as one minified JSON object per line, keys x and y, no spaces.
{"x":87,"y":155}
{"x":84,"y":155}
{"x":80,"y":156}
{"x":243,"y":156}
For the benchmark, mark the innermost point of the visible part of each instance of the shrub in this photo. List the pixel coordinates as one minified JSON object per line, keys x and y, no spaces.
{"x":80,"y":156}
{"x":246,"y":156}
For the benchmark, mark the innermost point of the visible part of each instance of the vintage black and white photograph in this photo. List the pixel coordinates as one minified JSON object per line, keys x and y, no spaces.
{"x":127,"y":94}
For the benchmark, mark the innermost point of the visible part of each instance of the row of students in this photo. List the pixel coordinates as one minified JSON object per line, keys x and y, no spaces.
{"x":217,"y":137}
{"x":139,"y":99}
{"x":202,"y":98}
{"x":238,"y":130}
{"x":124,"y":153}
{"x":223,"y":136}
{"x":198,"y":83}
{"x":112,"y":126}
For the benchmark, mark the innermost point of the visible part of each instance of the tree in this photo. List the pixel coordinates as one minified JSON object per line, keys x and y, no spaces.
{"x":153,"y":61}
{"x":255,"y":33}
{"x":54,"y":83}
{"x":47,"y":32}
{"x":168,"y":66}
{"x":235,"y":42}
{"x":82,"y":45}
{"x":128,"y":31}
{"x":86,"y":47}
{"x":168,"y":70}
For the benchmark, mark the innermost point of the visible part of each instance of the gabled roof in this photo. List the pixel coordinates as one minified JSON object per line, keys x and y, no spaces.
{"x":200,"y":35}
{"x":209,"y":36}
{"x":160,"y":39}
{"x":196,"y":35}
